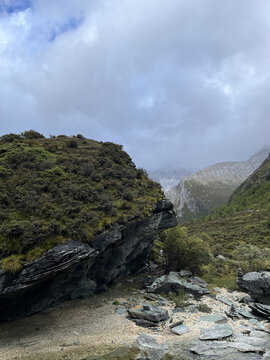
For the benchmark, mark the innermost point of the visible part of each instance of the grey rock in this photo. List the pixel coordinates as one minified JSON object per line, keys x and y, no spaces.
{"x":257,"y":284}
{"x":261,"y":309}
{"x":147,"y":344}
{"x":263,"y":327}
{"x":227,"y":350}
{"x":225,"y":301}
{"x":174,"y":282}
{"x":218,"y":332}
{"x":216,"y":318}
{"x":121,"y":311}
{"x":221,"y":257}
{"x":185,"y":273}
{"x":76,"y":269}
{"x":233,"y":313}
{"x":180,"y":322}
{"x":266,"y":356}
{"x":180,"y":329}
{"x":254,"y":339}
{"x":245,"y":300}
{"x":149,"y":313}
{"x":145,"y":323}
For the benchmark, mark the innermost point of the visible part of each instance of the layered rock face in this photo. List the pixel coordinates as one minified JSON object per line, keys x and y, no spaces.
{"x":76,"y":269}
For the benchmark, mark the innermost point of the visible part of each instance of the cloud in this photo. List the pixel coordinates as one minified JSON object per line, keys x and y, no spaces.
{"x":179,"y":82}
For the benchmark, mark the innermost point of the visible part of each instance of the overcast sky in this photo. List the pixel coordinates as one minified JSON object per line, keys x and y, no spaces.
{"x":184,"y":83}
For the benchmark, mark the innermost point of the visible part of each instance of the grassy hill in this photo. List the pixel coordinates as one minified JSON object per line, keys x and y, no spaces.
{"x":245,"y":219}
{"x":60,"y":188}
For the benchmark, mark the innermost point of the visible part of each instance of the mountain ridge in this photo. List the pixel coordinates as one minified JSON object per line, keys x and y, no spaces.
{"x":199,"y":193}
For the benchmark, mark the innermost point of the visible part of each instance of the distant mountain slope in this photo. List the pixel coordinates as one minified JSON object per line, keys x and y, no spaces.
{"x":206,"y":190}
{"x":167,"y":177}
{"x":244,"y":219}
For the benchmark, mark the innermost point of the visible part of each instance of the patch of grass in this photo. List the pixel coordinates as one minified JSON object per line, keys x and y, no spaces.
{"x":181,"y":299}
{"x":223,"y":281}
{"x":12,"y":264}
{"x":204,"y":308}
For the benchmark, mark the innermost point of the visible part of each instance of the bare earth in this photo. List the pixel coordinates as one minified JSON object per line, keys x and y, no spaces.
{"x":90,"y":326}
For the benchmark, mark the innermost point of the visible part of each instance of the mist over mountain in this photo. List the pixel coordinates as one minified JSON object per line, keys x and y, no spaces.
{"x":168,"y":177}
{"x":206,"y":190}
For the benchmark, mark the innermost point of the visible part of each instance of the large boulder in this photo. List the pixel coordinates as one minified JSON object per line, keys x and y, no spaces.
{"x":174,"y":282}
{"x":257,"y":284}
{"x":76,"y":269}
{"x":148,"y":315}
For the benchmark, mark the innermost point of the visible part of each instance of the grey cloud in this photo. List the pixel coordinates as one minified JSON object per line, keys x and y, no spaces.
{"x":176,"y":82}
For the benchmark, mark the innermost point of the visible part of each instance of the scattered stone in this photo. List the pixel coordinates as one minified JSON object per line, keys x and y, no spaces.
{"x":216,"y":289}
{"x":245,"y":314}
{"x":151,"y":347}
{"x":225,"y":301}
{"x":149,"y":313}
{"x":216,"y":318}
{"x":227,"y":350}
{"x":121,"y":310}
{"x":255,"y":338}
{"x":263,"y":327}
{"x":180,"y":322}
{"x":245,"y":300}
{"x":185,"y":273}
{"x":145,"y":323}
{"x":233,"y":313}
{"x":180,"y":329}
{"x":218,"y":332}
{"x":261,"y":309}
{"x":174,"y":282}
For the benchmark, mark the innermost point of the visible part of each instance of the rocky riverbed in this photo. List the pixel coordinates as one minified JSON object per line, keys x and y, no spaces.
{"x":89,"y":328}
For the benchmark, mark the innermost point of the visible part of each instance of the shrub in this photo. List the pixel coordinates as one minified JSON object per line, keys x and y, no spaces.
{"x":32,"y":134}
{"x":185,"y":252}
{"x":252,"y":258}
{"x":72,"y":143}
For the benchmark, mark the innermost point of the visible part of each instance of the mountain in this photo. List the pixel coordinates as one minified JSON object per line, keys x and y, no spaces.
{"x":204,"y":191}
{"x":244,"y":219}
{"x":167,"y":177}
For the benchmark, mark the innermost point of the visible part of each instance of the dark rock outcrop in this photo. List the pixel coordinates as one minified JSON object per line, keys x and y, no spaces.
{"x":257,"y":284}
{"x":77,"y":269}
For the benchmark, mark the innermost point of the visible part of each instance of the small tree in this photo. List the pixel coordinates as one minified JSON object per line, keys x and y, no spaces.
{"x":185,"y":252}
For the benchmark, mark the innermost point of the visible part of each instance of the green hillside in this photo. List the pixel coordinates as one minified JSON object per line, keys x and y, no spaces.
{"x":245,"y":219}
{"x":205,"y":198}
{"x":60,"y":188}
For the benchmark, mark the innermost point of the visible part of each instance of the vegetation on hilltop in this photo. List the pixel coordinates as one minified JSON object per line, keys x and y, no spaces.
{"x":60,"y":188}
